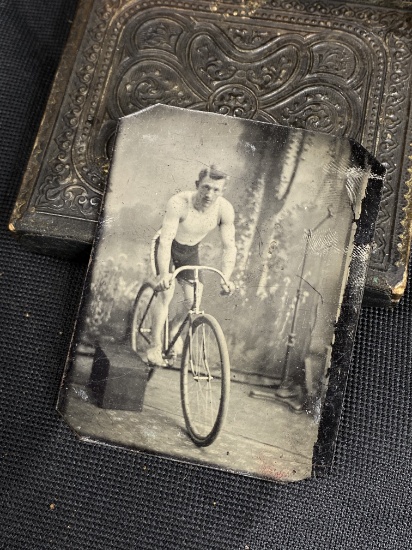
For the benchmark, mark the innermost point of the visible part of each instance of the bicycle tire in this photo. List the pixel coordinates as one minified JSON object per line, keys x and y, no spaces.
{"x":207,"y":373}
{"x":141,"y":317}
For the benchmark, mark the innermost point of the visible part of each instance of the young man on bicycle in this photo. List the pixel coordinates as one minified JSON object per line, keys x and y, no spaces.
{"x":189,"y":217}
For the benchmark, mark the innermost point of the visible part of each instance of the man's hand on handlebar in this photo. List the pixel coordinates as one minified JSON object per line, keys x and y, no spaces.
{"x":163,"y":282}
{"x":227,"y":289}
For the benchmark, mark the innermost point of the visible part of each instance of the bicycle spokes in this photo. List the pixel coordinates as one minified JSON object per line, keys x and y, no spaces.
{"x":144,"y":330}
{"x":203,"y":385}
{"x":200,"y":366}
{"x":142,"y":319}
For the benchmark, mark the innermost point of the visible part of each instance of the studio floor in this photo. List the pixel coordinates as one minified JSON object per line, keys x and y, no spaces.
{"x":260,"y":437}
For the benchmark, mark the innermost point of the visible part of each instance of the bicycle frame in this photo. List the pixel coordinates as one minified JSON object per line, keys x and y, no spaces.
{"x":205,"y":362}
{"x":195,"y":309}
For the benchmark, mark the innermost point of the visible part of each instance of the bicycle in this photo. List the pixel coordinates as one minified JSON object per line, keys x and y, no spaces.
{"x":205,"y":365}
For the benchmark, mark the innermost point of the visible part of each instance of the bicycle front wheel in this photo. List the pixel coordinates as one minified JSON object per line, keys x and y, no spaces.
{"x":205,"y":380}
{"x":141,"y":325}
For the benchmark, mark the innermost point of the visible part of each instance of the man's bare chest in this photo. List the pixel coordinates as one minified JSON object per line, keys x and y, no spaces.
{"x":197,"y":224}
{"x":201,"y":220}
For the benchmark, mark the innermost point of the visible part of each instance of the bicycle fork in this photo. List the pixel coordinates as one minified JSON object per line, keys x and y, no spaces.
{"x":196,"y":364}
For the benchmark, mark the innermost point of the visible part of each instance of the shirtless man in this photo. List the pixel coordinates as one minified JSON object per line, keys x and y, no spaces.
{"x":190,"y":216}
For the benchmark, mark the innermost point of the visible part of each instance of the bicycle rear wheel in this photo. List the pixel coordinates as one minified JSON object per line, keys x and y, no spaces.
{"x":141,"y":325}
{"x":205,"y":380}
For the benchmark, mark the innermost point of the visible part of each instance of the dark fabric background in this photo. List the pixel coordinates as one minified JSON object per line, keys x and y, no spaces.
{"x":59,"y":493}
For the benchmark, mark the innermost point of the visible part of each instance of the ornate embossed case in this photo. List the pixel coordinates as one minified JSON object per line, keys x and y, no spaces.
{"x":340,"y":68}
{"x":245,"y":386}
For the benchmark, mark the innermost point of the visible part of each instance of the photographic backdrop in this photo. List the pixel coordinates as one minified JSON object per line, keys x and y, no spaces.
{"x":294,"y":195}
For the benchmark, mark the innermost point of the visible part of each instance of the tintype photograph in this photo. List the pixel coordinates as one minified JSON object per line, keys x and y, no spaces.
{"x":207,"y":327}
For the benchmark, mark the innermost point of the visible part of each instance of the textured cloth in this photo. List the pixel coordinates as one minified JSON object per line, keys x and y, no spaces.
{"x":59,"y":493}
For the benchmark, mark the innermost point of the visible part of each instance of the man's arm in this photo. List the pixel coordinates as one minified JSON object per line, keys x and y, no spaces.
{"x":227,"y":233}
{"x":168,"y":232}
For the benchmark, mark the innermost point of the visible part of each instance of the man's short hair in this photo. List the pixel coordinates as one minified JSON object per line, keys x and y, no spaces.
{"x":212,"y":172}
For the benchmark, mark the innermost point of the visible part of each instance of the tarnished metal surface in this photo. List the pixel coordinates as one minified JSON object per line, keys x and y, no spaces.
{"x":340,"y":68}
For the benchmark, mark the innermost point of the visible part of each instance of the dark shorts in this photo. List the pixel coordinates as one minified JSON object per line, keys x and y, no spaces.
{"x":182,"y":254}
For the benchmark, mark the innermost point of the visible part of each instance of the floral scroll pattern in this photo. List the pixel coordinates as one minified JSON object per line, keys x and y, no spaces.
{"x":289,"y":80}
{"x":303,"y":64}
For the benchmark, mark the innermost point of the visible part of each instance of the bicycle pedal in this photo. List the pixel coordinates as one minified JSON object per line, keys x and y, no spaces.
{"x":165,"y":365}
{"x":153,"y":364}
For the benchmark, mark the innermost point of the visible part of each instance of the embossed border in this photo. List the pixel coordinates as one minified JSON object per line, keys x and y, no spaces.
{"x":384,"y":27}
